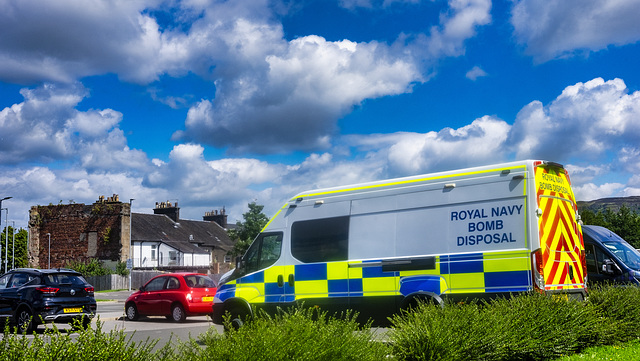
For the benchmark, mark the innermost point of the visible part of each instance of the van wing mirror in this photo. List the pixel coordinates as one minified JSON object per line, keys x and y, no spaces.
{"x":238,"y":262}
{"x":609,"y":267}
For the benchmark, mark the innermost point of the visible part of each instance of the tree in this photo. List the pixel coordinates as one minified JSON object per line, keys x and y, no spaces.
{"x":245,"y":232}
{"x":17,"y":248}
{"x":624,"y":222}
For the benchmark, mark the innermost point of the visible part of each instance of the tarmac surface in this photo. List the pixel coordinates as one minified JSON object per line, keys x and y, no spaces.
{"x":111,"y":304}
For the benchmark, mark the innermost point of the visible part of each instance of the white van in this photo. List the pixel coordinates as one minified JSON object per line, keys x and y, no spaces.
{"x":378,"y":247}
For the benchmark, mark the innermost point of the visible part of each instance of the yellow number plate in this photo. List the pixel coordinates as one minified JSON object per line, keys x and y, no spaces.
{"x":207,"y":299}
{"x":73,"y":310}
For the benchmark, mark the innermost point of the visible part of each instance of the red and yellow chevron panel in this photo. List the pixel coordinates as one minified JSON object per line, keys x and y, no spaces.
{"x":560,"y":234}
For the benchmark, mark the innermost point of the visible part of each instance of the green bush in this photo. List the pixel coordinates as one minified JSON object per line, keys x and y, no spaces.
{"x":91,"y":344}
{"x":297,"y":334}
{"x":620,"y":307}
{"x":523,"y":327}
{"x":91,"y":268}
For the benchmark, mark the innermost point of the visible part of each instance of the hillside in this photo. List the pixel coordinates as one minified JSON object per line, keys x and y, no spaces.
{"x":611,"y":203}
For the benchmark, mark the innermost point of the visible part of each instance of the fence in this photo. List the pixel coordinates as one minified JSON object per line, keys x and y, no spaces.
{"x":109,"y":282}
{"x":138,"y":279}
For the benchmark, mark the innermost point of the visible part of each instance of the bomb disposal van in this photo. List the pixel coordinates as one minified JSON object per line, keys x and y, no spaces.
{"x":378,"y":247}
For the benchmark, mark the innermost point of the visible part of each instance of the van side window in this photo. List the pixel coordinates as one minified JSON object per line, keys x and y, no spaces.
{"x":320,"y":240}
{"x":264,"y":252}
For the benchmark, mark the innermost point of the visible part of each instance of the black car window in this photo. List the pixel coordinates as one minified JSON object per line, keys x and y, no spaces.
{"x":19,"y":279}
{"x":57,"y":279}
{"x":173,"y":283}
{"x":155,"y":284}
{"x":4,"y":281}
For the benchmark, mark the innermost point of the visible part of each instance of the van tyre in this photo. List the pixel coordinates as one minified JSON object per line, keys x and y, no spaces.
{"x":132,"y":312}
{"x":177,"y":313}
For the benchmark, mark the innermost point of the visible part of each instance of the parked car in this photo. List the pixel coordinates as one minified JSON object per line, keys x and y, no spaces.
{"x":609,"y":257}
{"x":173,"y":295}
{"x":29,"y":297}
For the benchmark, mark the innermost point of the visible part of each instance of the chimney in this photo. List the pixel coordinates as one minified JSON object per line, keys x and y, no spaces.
{"x":219,"y":217}
{"x":167,"y":208}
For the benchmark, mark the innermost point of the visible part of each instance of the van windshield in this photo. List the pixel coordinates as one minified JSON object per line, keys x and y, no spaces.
{"x":627,"y":254}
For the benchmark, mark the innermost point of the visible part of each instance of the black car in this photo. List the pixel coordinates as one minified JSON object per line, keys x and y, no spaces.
{"x":29,"y":297}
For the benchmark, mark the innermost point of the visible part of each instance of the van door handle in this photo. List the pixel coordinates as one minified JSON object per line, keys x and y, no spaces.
{"x":280,"y":280}
{"x":292,"y":280}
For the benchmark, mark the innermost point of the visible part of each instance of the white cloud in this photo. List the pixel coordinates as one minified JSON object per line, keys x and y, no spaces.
{"x":555,"y":28}
{"x":456,"y":26}
{"x":475,"y":73}
{"x":290,"y":93}
{"x":481,"y":142}
{"x":371,"y":4}
{"x":47,"y":127}
{"x":296,"y":97}
{"x":590,"y":191}
{"x":587,"y":120}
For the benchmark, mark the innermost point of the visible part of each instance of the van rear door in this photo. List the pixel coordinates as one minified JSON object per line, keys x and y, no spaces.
{"x":560,"y":258}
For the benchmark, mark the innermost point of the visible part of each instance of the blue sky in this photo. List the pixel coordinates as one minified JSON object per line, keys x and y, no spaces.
{"x":220,"y":103}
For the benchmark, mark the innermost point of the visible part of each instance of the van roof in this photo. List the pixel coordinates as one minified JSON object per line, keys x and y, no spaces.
{"x":600,"y":233}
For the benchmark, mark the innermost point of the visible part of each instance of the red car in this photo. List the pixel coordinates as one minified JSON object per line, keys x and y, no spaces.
{"x":173,"y":295}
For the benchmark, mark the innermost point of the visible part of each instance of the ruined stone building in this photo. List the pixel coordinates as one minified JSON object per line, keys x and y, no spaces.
{"x":107,"y":230}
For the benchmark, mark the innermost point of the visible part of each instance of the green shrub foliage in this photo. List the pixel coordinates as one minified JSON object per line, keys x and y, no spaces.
{"x":90,"y":344}
{"x":523,"y":327}
{"x":297,"y":334}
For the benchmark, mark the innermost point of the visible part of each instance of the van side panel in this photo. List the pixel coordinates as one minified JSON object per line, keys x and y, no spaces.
{"x":560,"y":235}
{"x":373,"y":247}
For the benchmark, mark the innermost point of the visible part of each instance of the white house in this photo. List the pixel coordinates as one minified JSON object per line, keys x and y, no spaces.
{"x":163,"y":241}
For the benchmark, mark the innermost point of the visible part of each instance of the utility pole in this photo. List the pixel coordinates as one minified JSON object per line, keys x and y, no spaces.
{"x":13,"y":245}
{"x":49,"y":266}
{"x":6,"y":242}
{"x":130,"y":260}
{"x":3,"y":199}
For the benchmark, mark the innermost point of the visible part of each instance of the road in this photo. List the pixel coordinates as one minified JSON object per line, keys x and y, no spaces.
{"x":111,"y":315}
{"x":154,"y":328}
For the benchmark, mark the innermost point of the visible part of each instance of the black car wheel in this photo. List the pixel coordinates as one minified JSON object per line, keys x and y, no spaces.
{"x":132,"y":312}
{"x":24,"y":321}
{"x":177,"y":313}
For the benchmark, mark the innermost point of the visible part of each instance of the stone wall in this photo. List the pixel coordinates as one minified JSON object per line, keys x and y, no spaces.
{"x":78,"y":232}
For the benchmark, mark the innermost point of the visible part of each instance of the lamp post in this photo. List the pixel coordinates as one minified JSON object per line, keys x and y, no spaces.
{"x":49,"y":266}
{"x":130,"y":242}
{"x":3,"y":199}
{"x":6,"y":242}
{"x":6,"y":234}
{"x":13,"y":245}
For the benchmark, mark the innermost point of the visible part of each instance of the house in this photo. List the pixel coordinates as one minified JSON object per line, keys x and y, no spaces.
{"x":164,"y":241}
{"x":107,"y":230}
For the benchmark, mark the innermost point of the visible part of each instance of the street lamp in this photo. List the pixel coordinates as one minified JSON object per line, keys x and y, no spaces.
{"x":6,"y":234}
{"x":130,"y":242}
{"x":49,"y":234}
{"x":13,"y":245}
{"x":6,"y":242}
{"x":3,"y":199}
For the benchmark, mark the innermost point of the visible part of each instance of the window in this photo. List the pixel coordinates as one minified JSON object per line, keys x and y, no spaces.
{"x":20,"y":279}
{"x":173,"y":283}
{"x":57,"y":279}
{"x":153,"y":252}
{"x":4,"y":280}
{"x":155,"y":284}
{"x":198,"y":281}
{"x":320,"y":240}
{"x":263,"y":252}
